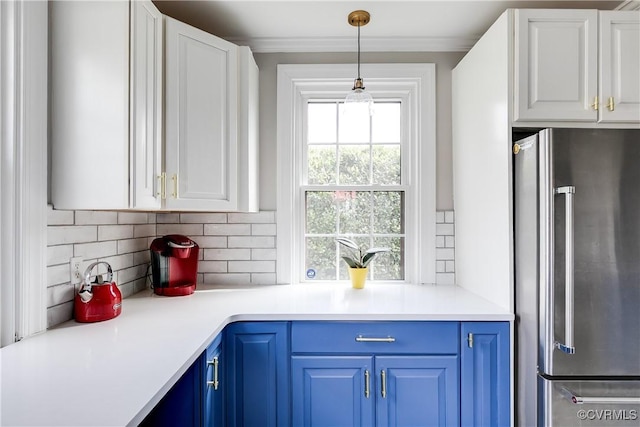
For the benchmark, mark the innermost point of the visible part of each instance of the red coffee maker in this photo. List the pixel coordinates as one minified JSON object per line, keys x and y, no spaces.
{"x":174,"y":265}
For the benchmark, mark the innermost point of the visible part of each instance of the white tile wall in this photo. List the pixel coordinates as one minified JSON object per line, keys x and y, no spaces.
{"x":445,"y":248}
{"x":235,"y":248}
{"x":120,"y":238}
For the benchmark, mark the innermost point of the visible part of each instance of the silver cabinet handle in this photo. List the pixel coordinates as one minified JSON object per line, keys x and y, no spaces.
{"x":366,"y":383}
{"x":568,"y":346}
{"x":215,"y":383}
{"x":581,"y":400}
{"x":383,"y":384}
{"x":360,"y":338}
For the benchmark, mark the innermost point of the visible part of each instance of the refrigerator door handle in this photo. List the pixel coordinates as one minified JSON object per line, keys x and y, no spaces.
{"x":568,"y":346}
{"x":580,"y":400}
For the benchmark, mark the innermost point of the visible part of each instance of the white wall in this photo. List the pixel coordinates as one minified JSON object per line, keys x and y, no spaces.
{"x":267,"y":62}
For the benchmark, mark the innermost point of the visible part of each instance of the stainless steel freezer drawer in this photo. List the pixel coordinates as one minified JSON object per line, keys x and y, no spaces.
{"x":589,"y":403}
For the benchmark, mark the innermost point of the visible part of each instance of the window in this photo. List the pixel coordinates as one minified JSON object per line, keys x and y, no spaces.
{"x":369,"y":178}
{"x":352,"y":187}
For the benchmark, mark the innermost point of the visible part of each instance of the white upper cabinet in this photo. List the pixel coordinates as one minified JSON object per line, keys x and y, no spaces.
{"x":106,"y":104}
{"x":555,"y":64}
{"x":201,"y":112}
{"x":619,"y":67}
{"x":208,"y":149}
{"x":89,"y":104}
{"x":128,"y":94}
{"x":576,"y":66}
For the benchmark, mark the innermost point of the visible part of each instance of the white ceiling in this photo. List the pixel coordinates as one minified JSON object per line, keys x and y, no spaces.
{"x":321,"y":25}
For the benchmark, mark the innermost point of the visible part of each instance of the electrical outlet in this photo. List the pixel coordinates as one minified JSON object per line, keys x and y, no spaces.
{"x":74,"y":268}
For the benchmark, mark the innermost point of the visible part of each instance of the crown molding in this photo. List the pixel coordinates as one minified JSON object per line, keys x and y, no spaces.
{"x":347,"y":44}
{"x":629,"y":5}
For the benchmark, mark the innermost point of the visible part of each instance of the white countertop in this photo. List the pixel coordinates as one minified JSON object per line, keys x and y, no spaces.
{"x":113,"y":373}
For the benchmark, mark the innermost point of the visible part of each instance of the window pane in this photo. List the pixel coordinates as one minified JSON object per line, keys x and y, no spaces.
{"x":321,"y":257}
{"x":354,"y":208}
{"x":321,"y":164}
{"x":321,"y":212}
{"x":386,"y":164}
{"x":389,"y":265}
{"x":354,"y":165}
{"x":388,"y":207}
{"x":354,"y":125}
{"x":386,"y":123}
{"x":321,"y":122}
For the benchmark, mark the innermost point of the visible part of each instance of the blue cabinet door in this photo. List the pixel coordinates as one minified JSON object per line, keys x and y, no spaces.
{"x":181,"y":406}
{"x":213,"y":384}
{"x":417,"y":391}
{"x":257,"y":367}
{"x":335,"y":391}
{"x":485,"y":393}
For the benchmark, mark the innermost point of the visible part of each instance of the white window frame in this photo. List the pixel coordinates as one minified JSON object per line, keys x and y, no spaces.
{"x":414,"y":84}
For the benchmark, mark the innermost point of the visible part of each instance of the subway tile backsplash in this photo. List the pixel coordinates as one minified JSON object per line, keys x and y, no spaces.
{"x":120,"y":238}
{"x":445,"y":248}
{"x":235,"y":248}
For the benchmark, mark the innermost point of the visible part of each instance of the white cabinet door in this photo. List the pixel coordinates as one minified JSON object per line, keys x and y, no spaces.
{"x":620,"y":67}
{"x":89,"y":105}
{"x":146,"y":105}
{"x":555,"y":65}
{"x":201,"y":116}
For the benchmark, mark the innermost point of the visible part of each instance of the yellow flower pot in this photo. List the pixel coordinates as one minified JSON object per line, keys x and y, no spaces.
{"x":358,"y":277}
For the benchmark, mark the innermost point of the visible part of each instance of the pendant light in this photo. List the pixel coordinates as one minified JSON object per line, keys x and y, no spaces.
{"x":358,"y":96}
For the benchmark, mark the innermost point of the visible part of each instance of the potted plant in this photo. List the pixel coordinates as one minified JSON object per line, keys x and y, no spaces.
{"x":358,"y":261}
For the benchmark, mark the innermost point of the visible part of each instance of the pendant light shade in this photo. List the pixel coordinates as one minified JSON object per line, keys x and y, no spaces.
{"x":358,"y":96}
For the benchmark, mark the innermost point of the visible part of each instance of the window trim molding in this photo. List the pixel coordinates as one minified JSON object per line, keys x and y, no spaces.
{"x":295,"y":84}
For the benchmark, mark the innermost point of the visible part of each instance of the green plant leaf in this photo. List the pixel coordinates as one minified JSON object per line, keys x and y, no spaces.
{"x":348,"y":243}
{"x":350,"y":262}
{"x":370,"y":254}
{"x":377,"y":250}
{"x":367,"y":259}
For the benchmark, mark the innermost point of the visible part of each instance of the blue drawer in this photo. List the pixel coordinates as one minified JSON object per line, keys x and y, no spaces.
{"x":375,"y":337}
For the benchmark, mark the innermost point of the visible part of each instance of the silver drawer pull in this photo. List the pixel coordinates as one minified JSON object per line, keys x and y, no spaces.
{"x":383,"y":384}
{"x":360,"y":338}
{"x":216,"y":382}
{"x":580,"y":400}
{"x":367,"y":383}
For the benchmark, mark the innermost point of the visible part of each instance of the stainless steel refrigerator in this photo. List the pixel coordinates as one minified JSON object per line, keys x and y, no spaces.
{"x":577,"y":277}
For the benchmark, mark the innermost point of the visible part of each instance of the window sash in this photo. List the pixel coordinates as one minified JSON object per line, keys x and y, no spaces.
{"x":337,"y":144}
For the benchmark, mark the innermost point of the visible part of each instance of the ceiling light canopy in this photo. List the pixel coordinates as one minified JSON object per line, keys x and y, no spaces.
{"x":359,"y":18}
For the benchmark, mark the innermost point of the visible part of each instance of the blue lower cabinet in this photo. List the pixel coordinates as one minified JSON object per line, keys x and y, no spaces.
{"x":351,"y":374}
{"x":485,"y":372}
{"x":332,"y":391}
{"x":257,"y":373}
{"x":383,"y":374}
{"x":417,"y":391}
{"x":213,"y":385}
{"x":181,"y":406}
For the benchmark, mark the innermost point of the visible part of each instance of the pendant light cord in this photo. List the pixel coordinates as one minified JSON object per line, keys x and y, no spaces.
{"x":359,"y":50}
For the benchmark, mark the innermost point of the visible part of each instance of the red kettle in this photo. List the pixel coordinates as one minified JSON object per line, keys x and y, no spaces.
{"x":97,"y":301}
